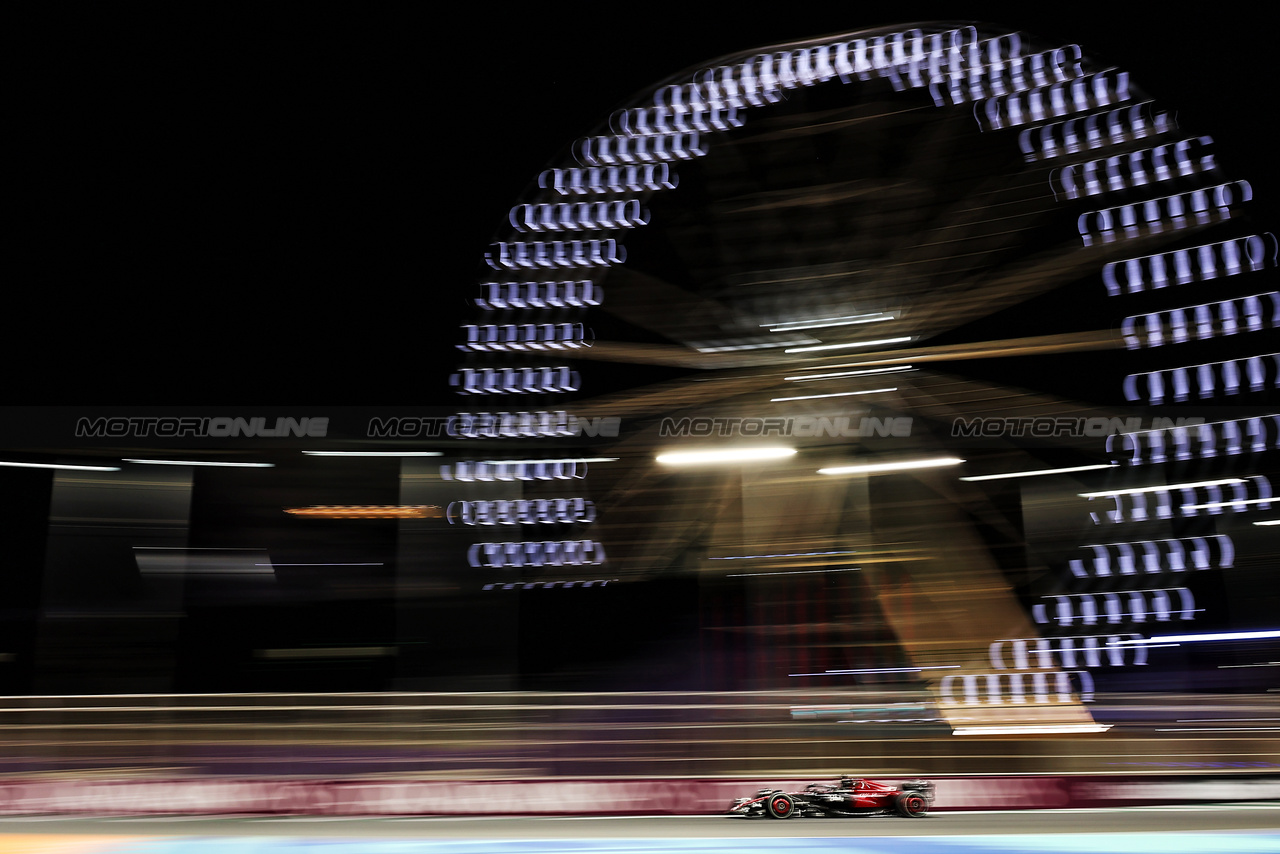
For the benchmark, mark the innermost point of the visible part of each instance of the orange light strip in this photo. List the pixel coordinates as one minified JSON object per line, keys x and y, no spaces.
{"x":368,"y":511}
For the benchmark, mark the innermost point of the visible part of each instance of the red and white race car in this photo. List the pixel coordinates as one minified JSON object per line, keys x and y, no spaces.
{"x":848,"y":796}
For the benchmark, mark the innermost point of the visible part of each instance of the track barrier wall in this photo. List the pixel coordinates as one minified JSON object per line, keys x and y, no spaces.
{"x":348,"y":797}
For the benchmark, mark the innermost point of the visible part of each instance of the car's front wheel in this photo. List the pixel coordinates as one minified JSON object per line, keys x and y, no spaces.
{"x":911,"y":804}
{"x":781,"y":806}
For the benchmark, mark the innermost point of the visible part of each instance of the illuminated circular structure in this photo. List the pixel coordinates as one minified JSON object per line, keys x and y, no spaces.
{"x":881,"y":250}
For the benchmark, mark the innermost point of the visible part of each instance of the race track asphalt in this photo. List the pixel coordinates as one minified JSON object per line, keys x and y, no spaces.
{"x":1222,"y":829}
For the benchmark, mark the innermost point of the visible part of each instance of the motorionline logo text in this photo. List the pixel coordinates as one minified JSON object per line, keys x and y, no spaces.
{"x":201,"y":426}
{"x":802,"y":426}
{"x":1056,"y":427}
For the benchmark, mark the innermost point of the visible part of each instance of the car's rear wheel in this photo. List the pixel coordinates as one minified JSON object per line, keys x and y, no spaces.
{"x":911,"y":804}
{"x":781,"y":806}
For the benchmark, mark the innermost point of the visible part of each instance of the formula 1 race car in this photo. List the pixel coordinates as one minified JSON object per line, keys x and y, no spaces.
{"x":846,"y":797}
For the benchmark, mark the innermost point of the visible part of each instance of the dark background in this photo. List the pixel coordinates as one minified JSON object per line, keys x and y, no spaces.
{"x":285,"y":204}
{"x":280,"y":209}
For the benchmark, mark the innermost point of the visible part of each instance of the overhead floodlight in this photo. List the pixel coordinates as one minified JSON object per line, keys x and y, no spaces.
{"x":1038,"y":472}
{"x":728,"y":455}
{"x":903,"y":465}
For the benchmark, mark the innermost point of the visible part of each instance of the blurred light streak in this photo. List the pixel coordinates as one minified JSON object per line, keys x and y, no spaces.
{"x":1142,"y":490}
{"x":891,"y":720}
{"x":874,"y":468}
{"x":201,"y":463}
{"x":1211,"y":636}
{"x":59,"y":466}
{"x":900,"y":669}
{"x":841,"y":374}
{"x":731,"y":455}
{"x":193,"y":549}
{"x":1038,"y":472}
{"x":531,"y":585}
{"x":328,"y":652}
{"x":795,"y":572}
{"x":373,"y":453}
{"x":833,"y":394}
{"x":535,"y":462}
{"x":851,"y":710}
{"x":1268,"y":522}
{"x":1030,"y":729}
{"x":535,"y":553}
{"x":193,"y":562}
{"x":1239,"y":501}
{"x":368,"y":511}
{"x":862,"y":365}
{"x":546,"y":700}
{"x":849,"y":320}
{"x":1263,"y":664}
{"x":791,"y":554}
{"x":520,"y":511}
{"x":875,"y":343}
{"x":362,"y":563}
{"x":730,"y":348}
{"x":1191,"y":427}
{"x":880,"y":670}
{"x":1221,"y":729}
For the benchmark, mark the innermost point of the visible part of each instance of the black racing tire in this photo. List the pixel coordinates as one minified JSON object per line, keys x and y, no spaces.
{"x":781,"y":806}
{"x":911,"y":804}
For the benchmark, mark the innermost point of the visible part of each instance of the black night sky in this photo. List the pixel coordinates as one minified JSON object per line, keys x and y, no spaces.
{"x":285,"y":205}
